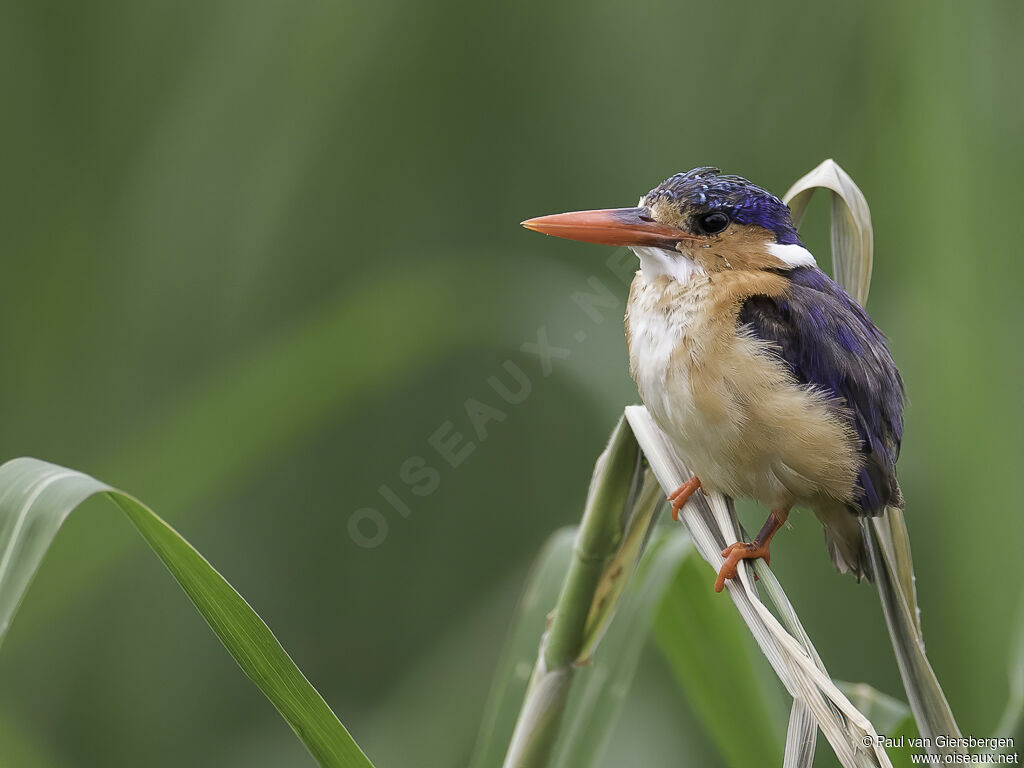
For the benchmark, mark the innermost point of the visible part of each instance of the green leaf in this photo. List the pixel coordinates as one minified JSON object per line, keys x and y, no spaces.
{"x":722,"y":673}
{"x":35,"y":499}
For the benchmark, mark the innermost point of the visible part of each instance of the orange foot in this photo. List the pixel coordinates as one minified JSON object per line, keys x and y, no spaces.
{"x":757,"y":548}
{"x":736,"y":552}
{"x":682,"y":494}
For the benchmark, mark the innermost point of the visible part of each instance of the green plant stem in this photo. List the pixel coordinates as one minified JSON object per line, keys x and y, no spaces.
{"x":599,"y":536}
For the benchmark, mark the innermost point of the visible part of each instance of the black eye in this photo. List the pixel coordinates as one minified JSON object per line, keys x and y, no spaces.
{"x":712,"y":223}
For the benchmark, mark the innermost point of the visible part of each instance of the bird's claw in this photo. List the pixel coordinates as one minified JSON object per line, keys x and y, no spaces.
{"x":676,"y":506}
{"x":733,"y":554}
{"x":681,"y":495}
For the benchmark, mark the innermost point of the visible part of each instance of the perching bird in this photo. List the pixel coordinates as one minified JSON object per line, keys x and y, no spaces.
{"x":771,"y":381}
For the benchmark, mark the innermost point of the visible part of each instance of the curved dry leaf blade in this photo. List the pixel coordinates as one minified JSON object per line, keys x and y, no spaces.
{"x":852,"y":255}
{"x":890,"y":556}
{"x":718,"y":667}
{"x":852,"y":237}
{"x":891,"y":716}
{"x":711,"y":521}
{"x":888,"y":714}
{"x":801,"y":738}
{"x":35,"y":499}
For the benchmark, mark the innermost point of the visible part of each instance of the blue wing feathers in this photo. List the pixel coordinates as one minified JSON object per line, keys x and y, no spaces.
{"x":828,"y":341}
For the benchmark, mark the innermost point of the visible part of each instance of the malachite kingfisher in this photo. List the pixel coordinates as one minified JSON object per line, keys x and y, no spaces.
{"x":770,"y":380}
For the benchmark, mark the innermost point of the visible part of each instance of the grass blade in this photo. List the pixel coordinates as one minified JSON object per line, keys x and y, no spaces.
{"x":851,"y":232}
{"x":708,"y":648}
{"x":801,"y":737}
{"x":888,"y":714}
{"x":891,"y":716}
{"x":711,"y":521}
{"x":899,"y":606}
{"x":35,"y":499}
{"x":886,"y":536}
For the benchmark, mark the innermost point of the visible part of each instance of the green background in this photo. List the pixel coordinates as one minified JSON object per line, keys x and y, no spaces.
{"x":257,"y":253}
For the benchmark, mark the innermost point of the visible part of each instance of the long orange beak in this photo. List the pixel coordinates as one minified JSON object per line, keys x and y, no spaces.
{"x":610,"y":226}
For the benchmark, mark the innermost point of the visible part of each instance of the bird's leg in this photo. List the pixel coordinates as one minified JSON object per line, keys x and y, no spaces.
{"x":755,"y":549}
{"x":682,"y":494}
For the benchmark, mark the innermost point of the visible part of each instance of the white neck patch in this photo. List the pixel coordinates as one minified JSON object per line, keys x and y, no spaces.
{"x":655,"y":262}
{"x":792,"y":255}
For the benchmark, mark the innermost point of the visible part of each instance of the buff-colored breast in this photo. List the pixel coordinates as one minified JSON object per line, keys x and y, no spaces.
{"x":737,"y":416}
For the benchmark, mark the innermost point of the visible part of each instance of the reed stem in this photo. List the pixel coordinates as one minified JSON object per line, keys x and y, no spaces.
{"x":605,"y":517}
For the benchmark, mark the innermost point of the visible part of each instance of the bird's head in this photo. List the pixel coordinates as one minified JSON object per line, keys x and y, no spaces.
{"x":700,"y":221}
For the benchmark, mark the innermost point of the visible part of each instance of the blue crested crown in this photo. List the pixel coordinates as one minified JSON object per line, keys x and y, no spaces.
{"x":703,"y":190}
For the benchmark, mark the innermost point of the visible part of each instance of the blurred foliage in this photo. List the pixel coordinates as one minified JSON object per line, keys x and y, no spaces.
{"x":310,"y":210}
{"x":36,"y":497}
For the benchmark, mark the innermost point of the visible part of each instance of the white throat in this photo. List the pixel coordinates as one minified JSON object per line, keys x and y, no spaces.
{"x":658,"y":262}
{"x":655,"y":262}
